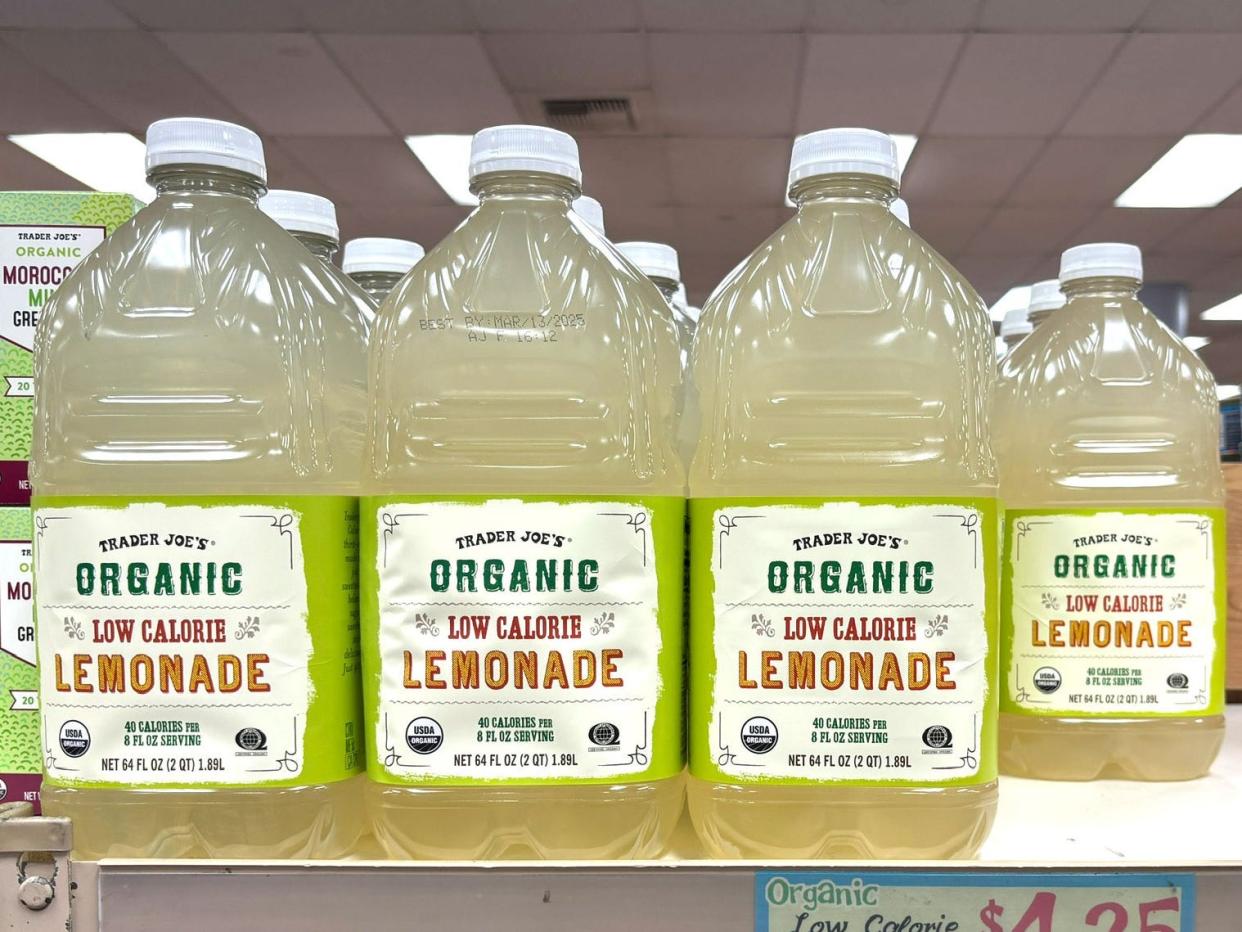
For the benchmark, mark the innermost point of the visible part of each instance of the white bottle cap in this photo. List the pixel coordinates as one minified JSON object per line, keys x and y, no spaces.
{"x":197,"y":141}
{"x":693,"y":313}
{"x":655,"y":260}
{"x":380,"y":254}
{"x":679,"y":299}
{"x":1045,"y":296}
{"x":1015,"y":323}
{"x":524,"y":148}
{"x":844,"y":152}
{"x":1102,"y":260}
{"x":900,"y":211}
{"x":592,"y":211}
{"x":301,"y":212}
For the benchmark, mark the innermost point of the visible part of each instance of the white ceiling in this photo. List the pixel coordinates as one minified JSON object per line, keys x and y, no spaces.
{"x":1033,"y":115}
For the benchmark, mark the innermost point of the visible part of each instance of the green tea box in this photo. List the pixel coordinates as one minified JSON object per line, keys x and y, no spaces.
{"x":43,"y":235}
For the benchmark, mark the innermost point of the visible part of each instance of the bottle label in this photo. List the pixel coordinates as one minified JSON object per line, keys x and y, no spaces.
{"x":202,"y":641}
{"x":844,"y":641}
{"x":1115,"y":613}
{"x":532,"y":640}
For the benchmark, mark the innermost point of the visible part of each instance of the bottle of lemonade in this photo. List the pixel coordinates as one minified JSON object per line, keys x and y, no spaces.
{"x":658,"y":262}
{"x":592,"y":211}
{"x":1114,"y":605}
{"x":311,"y":220}
{"x":523,"y":539}
{"x":197,"y":453}
{"x":1015,"y":327}
{"x":845,"y":533}
{"x":378,"y":263}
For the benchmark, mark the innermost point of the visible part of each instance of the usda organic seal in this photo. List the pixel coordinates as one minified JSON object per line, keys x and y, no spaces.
{"x":424,"y":735}
{"x":1047,"y":679}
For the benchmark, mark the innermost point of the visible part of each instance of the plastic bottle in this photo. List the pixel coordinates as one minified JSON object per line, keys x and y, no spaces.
{"x":198,"y":448}
{"x":844,"y":438}
{"x":378,"y":263}
{"x":592,"y":211}
{"x":518,"y":417}
{"x":1114,"y":604}
{"x":1015,"y":327}
{"x":311,"y":220}
{"x":659,"y":263}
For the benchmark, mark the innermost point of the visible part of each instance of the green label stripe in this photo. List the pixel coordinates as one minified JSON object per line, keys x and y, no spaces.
{"x":318,"y":742}
{"x":1107,"y":611}
{"x":861,"y":641}
{"x":513,"y":639}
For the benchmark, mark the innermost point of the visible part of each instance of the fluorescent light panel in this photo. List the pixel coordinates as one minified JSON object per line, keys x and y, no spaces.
{"x":447,"y":160}
{"x":101,"y":161}
{"x":1196,"y":343}
{"x":1201,"y":170}
{"x":1226,"y":391}
{"x":1019,"y":296}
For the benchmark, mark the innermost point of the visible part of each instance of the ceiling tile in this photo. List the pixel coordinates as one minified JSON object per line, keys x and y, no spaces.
{"x":992,"y":276}
{"x":725,"y":84}
{"x":891,"y":15}
{"x":216,"y":15}
{"x":1143,"y":227}
{"x":947,"y":229}
{"x":746,"y":172}
{"x":1086,"y":170}
{"x":392,"y":174}
{"x":81,"y":14}
{"x":622,"y":170}
{"x":629,"y":222}
{"x":43,"y":105}
{"x":285,"y":170}
{"x":1159,"y":84}
{"x":569,"y":65}
{"x":1176,"y":266}
{"x":426,"y":226}
{"x":1029,"y":230}
{"x":426,"y":84}
{"x":1225,"y":117}
{"x":723,"y":15}
{"x":727,"y":231}
{"x":21,"y":171}
{"x":1060,"y":15}
{"x":966,"y":171}
{"x":128,"y":74}
{"x":1193,"y":16}
{"x":387,"y":16}
{"x":1022,"y":85}
{"x":1224,"y":277}
{"x":1215,"y":232}
{"x":897,"y":97}
{"x":556,"y":15}
{"x":284,"y":83}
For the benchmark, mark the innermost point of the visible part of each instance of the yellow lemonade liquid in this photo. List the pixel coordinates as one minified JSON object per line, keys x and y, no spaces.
{"x":1104,"y":408}
{"x":517,"y":360}
{"x":844,"y":359}
{"x":202,"y":351}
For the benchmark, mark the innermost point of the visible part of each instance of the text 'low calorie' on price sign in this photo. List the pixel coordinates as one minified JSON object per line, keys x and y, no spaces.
{"x":883,"y":901}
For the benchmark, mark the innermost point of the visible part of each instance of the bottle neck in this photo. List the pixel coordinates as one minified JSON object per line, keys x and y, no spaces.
{"x":555,"y":190}
{"x":667,"y":287}
{"x":819,"y":189}
{"x":205,"y":179}
{"x":377,"y":284}
{"x":1105,"y":286}
{"x":1038,"y":317}
{"x":321,"y":247}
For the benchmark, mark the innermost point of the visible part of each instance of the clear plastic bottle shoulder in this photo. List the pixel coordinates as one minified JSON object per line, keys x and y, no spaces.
{"x":845,"y":353}
{"x":1104,"y":403}
{"x":200,"y":349}
{"x":522,"y":354}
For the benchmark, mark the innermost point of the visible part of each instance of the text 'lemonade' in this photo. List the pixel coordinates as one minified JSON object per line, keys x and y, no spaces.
{"x":198,"y":447}
{"x":1114,"y":583}
{"x":844,"y":532}
{"x":523,"y":535}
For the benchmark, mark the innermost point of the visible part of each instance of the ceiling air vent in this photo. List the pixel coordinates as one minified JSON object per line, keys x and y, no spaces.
{"x":591,"y":115}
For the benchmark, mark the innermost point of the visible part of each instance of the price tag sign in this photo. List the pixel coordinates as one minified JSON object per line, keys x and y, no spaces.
{"x":969,"y":901}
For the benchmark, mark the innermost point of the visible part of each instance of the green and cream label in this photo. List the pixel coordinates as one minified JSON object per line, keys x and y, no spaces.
{"x":191,"y":642}
{"x":525,"y":640}
{"x":843,"y":641}
{"x":1114,"y":612}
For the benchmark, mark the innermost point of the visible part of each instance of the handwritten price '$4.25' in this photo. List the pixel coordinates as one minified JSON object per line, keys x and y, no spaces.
{"x":1106,"y":916}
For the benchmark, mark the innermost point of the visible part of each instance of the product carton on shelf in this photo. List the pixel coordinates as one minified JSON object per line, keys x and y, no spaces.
{"x":43,"y":235}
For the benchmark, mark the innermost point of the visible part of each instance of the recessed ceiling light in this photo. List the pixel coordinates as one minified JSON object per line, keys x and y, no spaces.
{"x":447,"y":159}
{"x":1226,"y":310}
{"x":101,"y":161}
{"x":1196,"y":343}
{"x":905,"y":143}
{"x":1019,"y":296}
{"x":1201,"y":170}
